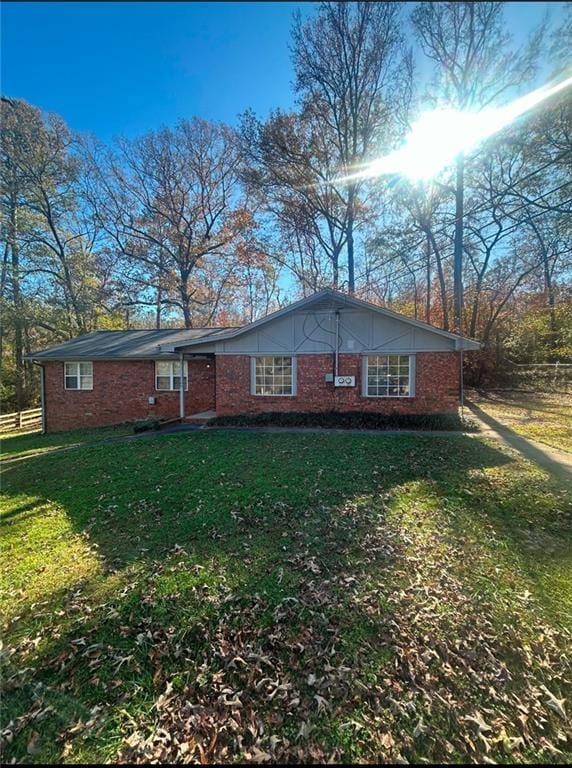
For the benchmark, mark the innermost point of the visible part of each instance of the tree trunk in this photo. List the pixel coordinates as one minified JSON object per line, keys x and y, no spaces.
{"x":441,"y":277}
{"x":350,"y":244}
{"x":551,"y":300}
{"x":458,"y":253}
{"x":336,"y":271}
{"x":158,"y":307}
{"x":18,"y":309}
{"x":428,"y":291}
{"x":186,"y":303}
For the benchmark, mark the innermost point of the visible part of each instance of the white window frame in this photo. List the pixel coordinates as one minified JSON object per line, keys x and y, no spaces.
{"x":78,"y":375}
{"x":365,"y":376}
{"x":172,"y":374}
{"x":253,"y":377}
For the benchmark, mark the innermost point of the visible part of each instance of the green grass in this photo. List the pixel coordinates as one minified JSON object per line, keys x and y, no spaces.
{"x":542,"y":417}
{"x":15,"y":445}
{"x":285,"y":597}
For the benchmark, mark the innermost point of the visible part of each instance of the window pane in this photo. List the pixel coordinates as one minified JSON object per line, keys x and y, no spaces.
{"x":71,"y":382}
{"x":388,"y":375}
{"x":86,"y":369}
{"x":176,"y":364}
{"x":86,"y":382}
{"x":273,"y":375}
{"x":163,"y":368}
{"x":177,"y":380}
{"x":163,"y":382}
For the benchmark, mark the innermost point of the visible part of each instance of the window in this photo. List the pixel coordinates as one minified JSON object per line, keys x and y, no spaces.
{"x":274,"y":376}
{"x":78,"y":375}
{"x":389,"y":376}
{"x":168,"y":374}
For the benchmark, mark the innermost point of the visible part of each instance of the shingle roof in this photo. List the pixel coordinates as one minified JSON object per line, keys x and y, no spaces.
{"x":125,"y":344}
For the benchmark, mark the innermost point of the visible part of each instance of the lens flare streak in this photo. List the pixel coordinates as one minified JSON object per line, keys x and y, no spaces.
{"x":439,"y":136}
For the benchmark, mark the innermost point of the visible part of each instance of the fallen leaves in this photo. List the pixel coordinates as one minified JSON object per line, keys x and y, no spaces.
{"x":365,"y":638}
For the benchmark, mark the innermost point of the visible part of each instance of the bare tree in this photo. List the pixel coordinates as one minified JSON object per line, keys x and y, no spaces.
{"x":351,"y":65}
{"x":475,"y":66}
{"x":289,"y":163}
{"x":171,"y":201}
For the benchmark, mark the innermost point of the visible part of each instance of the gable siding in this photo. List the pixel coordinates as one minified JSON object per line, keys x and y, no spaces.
{"x":314,"y":332}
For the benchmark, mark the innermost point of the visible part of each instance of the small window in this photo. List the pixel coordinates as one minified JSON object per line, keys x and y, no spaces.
{"x":168,"y":375}
{"x":78,"y":375}
{"x":388,"y":376}
{"x":273,"y":376}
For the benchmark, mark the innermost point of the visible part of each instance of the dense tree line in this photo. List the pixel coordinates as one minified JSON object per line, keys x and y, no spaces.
{"x":200,"y":223}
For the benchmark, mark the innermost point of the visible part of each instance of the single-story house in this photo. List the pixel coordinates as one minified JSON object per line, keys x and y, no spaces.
{"x":328,"y":351}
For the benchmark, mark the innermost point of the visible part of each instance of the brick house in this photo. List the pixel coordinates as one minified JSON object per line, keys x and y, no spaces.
{"x":328,"y":351}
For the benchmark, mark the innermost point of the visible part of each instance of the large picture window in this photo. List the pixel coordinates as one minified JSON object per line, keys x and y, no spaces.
{"x":274,"y":376}
{"x":78,"y":375}
{"x":389,"y":376}
{"x":168,"y":375}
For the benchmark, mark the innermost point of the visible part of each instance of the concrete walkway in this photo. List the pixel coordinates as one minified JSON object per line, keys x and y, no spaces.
{"x":558,"y":463}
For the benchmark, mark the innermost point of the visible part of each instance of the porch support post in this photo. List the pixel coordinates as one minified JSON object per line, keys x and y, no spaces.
{"x":182,"y":387}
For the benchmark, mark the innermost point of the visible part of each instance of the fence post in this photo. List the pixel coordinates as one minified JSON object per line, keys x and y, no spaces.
{"x":20,"y":419}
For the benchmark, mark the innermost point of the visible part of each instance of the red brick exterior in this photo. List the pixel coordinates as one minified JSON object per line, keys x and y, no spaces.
{"x":436,"y":387}
{"x":121,"y":391}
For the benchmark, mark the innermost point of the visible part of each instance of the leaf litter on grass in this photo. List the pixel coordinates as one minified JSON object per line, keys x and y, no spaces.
{"x":435,"y":675}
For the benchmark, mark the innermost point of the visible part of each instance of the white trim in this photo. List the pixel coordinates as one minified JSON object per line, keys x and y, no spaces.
{"x":77,"y":375}
{"x":411,"y":377}
{"x":172,"y":387}
{"x":253,"y":391}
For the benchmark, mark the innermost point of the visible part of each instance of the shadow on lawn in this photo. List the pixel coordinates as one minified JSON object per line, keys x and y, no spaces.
{"x":520,"y":400}
{"x":137,"y":501}
{"x":182,"y":523}
{"x":524,"y":446}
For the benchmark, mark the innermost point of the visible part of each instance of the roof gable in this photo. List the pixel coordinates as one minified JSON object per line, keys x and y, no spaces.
{"x":330,"y":300}
{"x":166,"y":343}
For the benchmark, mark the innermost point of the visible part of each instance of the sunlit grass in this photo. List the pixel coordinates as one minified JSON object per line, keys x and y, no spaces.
{"x":169,"y":561}
{"x":545,"y":418}
{"x":15,"y":445}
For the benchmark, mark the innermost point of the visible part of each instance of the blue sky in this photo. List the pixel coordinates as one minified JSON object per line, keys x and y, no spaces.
{"x":125,"y":68}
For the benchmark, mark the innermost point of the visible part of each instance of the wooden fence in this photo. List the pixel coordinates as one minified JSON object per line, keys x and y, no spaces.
{"x":21,"y":420}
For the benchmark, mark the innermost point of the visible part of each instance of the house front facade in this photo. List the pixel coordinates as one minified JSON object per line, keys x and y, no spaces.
{"x":327,"y":352}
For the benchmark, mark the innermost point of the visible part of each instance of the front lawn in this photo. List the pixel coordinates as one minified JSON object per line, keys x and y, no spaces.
{"x":220,"y":597}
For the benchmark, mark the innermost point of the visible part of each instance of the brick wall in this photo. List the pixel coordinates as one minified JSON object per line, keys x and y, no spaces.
{"x":436,"y":387}
{"x":121,"y":391}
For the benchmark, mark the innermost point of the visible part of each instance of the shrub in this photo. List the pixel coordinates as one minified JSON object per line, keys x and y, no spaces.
{"x":348,"y":420}
{"x":144,"y":425}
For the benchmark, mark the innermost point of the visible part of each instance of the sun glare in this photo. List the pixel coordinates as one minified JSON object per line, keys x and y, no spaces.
{"x":439,"y":136}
